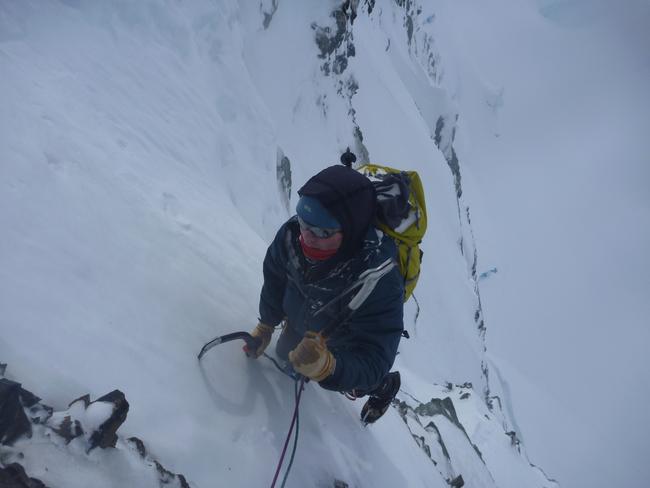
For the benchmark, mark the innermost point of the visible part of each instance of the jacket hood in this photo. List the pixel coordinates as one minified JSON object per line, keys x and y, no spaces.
{"x":350,"y":197}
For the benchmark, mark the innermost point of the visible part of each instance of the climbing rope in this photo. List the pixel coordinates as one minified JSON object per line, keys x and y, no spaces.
{"x":282,"y":370}
{"x":295,"y":439}
{"x":298,"y":387}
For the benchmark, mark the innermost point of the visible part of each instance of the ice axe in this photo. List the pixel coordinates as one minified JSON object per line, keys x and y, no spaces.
{"x":365,"y":284}
{"x":252,"y":343}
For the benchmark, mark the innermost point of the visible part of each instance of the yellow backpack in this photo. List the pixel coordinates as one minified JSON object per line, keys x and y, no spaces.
{"x":402,"y":214}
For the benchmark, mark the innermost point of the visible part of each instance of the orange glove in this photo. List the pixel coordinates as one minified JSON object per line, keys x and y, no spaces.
{"x":312,"y":359}
{"x":263,"y":334}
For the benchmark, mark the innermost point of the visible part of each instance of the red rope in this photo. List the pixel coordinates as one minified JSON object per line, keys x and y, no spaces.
{"x":286,"y":442}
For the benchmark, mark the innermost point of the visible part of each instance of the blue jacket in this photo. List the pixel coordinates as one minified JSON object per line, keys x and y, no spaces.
{"x":365,"y":343}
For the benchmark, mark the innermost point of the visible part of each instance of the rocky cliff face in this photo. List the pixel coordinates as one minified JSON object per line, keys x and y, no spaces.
{"x":463,"y":438}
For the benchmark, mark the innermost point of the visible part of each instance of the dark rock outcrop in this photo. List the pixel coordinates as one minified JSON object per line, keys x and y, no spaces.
{"x":457,"y":482}
{"x":166,"y":477}
{"x":139,"y":446}
{"x":13,"y":420}
{"x":283,"y":175}
{"x":14,"y":476}
{"x":74,"y":422}
{"x":106,"y":435}
{"x":68,"y":429}
{"x":96,"y":423}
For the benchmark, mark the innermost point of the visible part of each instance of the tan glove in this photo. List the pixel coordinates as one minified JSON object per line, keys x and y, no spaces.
{"x":263,"y":334}
{"x":312,"y":359}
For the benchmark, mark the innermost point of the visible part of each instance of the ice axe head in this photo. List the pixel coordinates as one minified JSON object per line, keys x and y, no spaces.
{"x":251,"y":342}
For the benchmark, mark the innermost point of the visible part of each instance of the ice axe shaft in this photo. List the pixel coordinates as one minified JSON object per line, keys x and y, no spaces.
{"x":251,"y":342}
{"x":366,"y":284}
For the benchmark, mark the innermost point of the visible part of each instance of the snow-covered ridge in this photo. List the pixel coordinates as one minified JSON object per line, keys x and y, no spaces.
{"x":72,"y":442}
{"x":149,"y":152}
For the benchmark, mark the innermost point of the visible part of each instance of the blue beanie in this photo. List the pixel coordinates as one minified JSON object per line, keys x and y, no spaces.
{"x":312,"y":211}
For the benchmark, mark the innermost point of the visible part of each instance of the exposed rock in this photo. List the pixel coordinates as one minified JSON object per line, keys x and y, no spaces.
{"x":97,"y":422}
{"x":268,"y":12}
{"x":327,"y":41}
{"x":14,"y":476}
{"x":339,"y":64}
{"x":422,"y":444}
{"x":514,"y":440}
{"x":359,"y":147}
{"x":431,"y":427}
{"x":337,"y":42}
{"x":340,"y":484}
{"x":13,"y":421}
{"x":440,"y":124}
{"x":446,"y":408}
{"x":491,"y":402}
{"x":410,"y":13}
{"x":40,"y":413}
{"x":283,"y":175}
{"x":444,"y":139}
{"x":409,"y":28}
{"x":106,"y":435}
{"x":457,"y":482}
{"x":436,"y":406}
{"x":37,"y":412}
{"x":182,"y":481}
{"x":454,"y":165}
{"x":139,"y":446}
{"x":166,"y":477}
{"x":84,"y":399}
{"x":68,"y":428}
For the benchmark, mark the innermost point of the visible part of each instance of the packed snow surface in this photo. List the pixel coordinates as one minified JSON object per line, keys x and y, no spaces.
{"x":139,"y":153}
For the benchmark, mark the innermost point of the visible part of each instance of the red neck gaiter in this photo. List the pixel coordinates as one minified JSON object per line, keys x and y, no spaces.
{"x":316,"y":254}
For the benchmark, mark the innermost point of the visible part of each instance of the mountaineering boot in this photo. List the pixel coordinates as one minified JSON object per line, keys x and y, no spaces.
{"x":380,"y":398}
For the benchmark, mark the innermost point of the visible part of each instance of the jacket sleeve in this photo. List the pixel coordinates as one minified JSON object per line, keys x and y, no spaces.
{"x":275,"y":280}
{"x":367,"y":350}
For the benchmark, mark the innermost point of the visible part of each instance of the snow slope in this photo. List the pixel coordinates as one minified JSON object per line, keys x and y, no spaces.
{"x":144,"y":164}
{"x":557,"y":170}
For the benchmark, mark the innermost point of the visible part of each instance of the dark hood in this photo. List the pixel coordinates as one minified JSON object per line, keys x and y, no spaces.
{"x":350,"y":197}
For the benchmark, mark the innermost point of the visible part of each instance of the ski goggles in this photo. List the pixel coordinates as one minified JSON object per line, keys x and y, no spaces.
{"x":320,"y":232}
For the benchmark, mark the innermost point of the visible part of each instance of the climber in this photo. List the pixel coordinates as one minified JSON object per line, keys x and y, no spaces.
{"x":308,"y":269}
